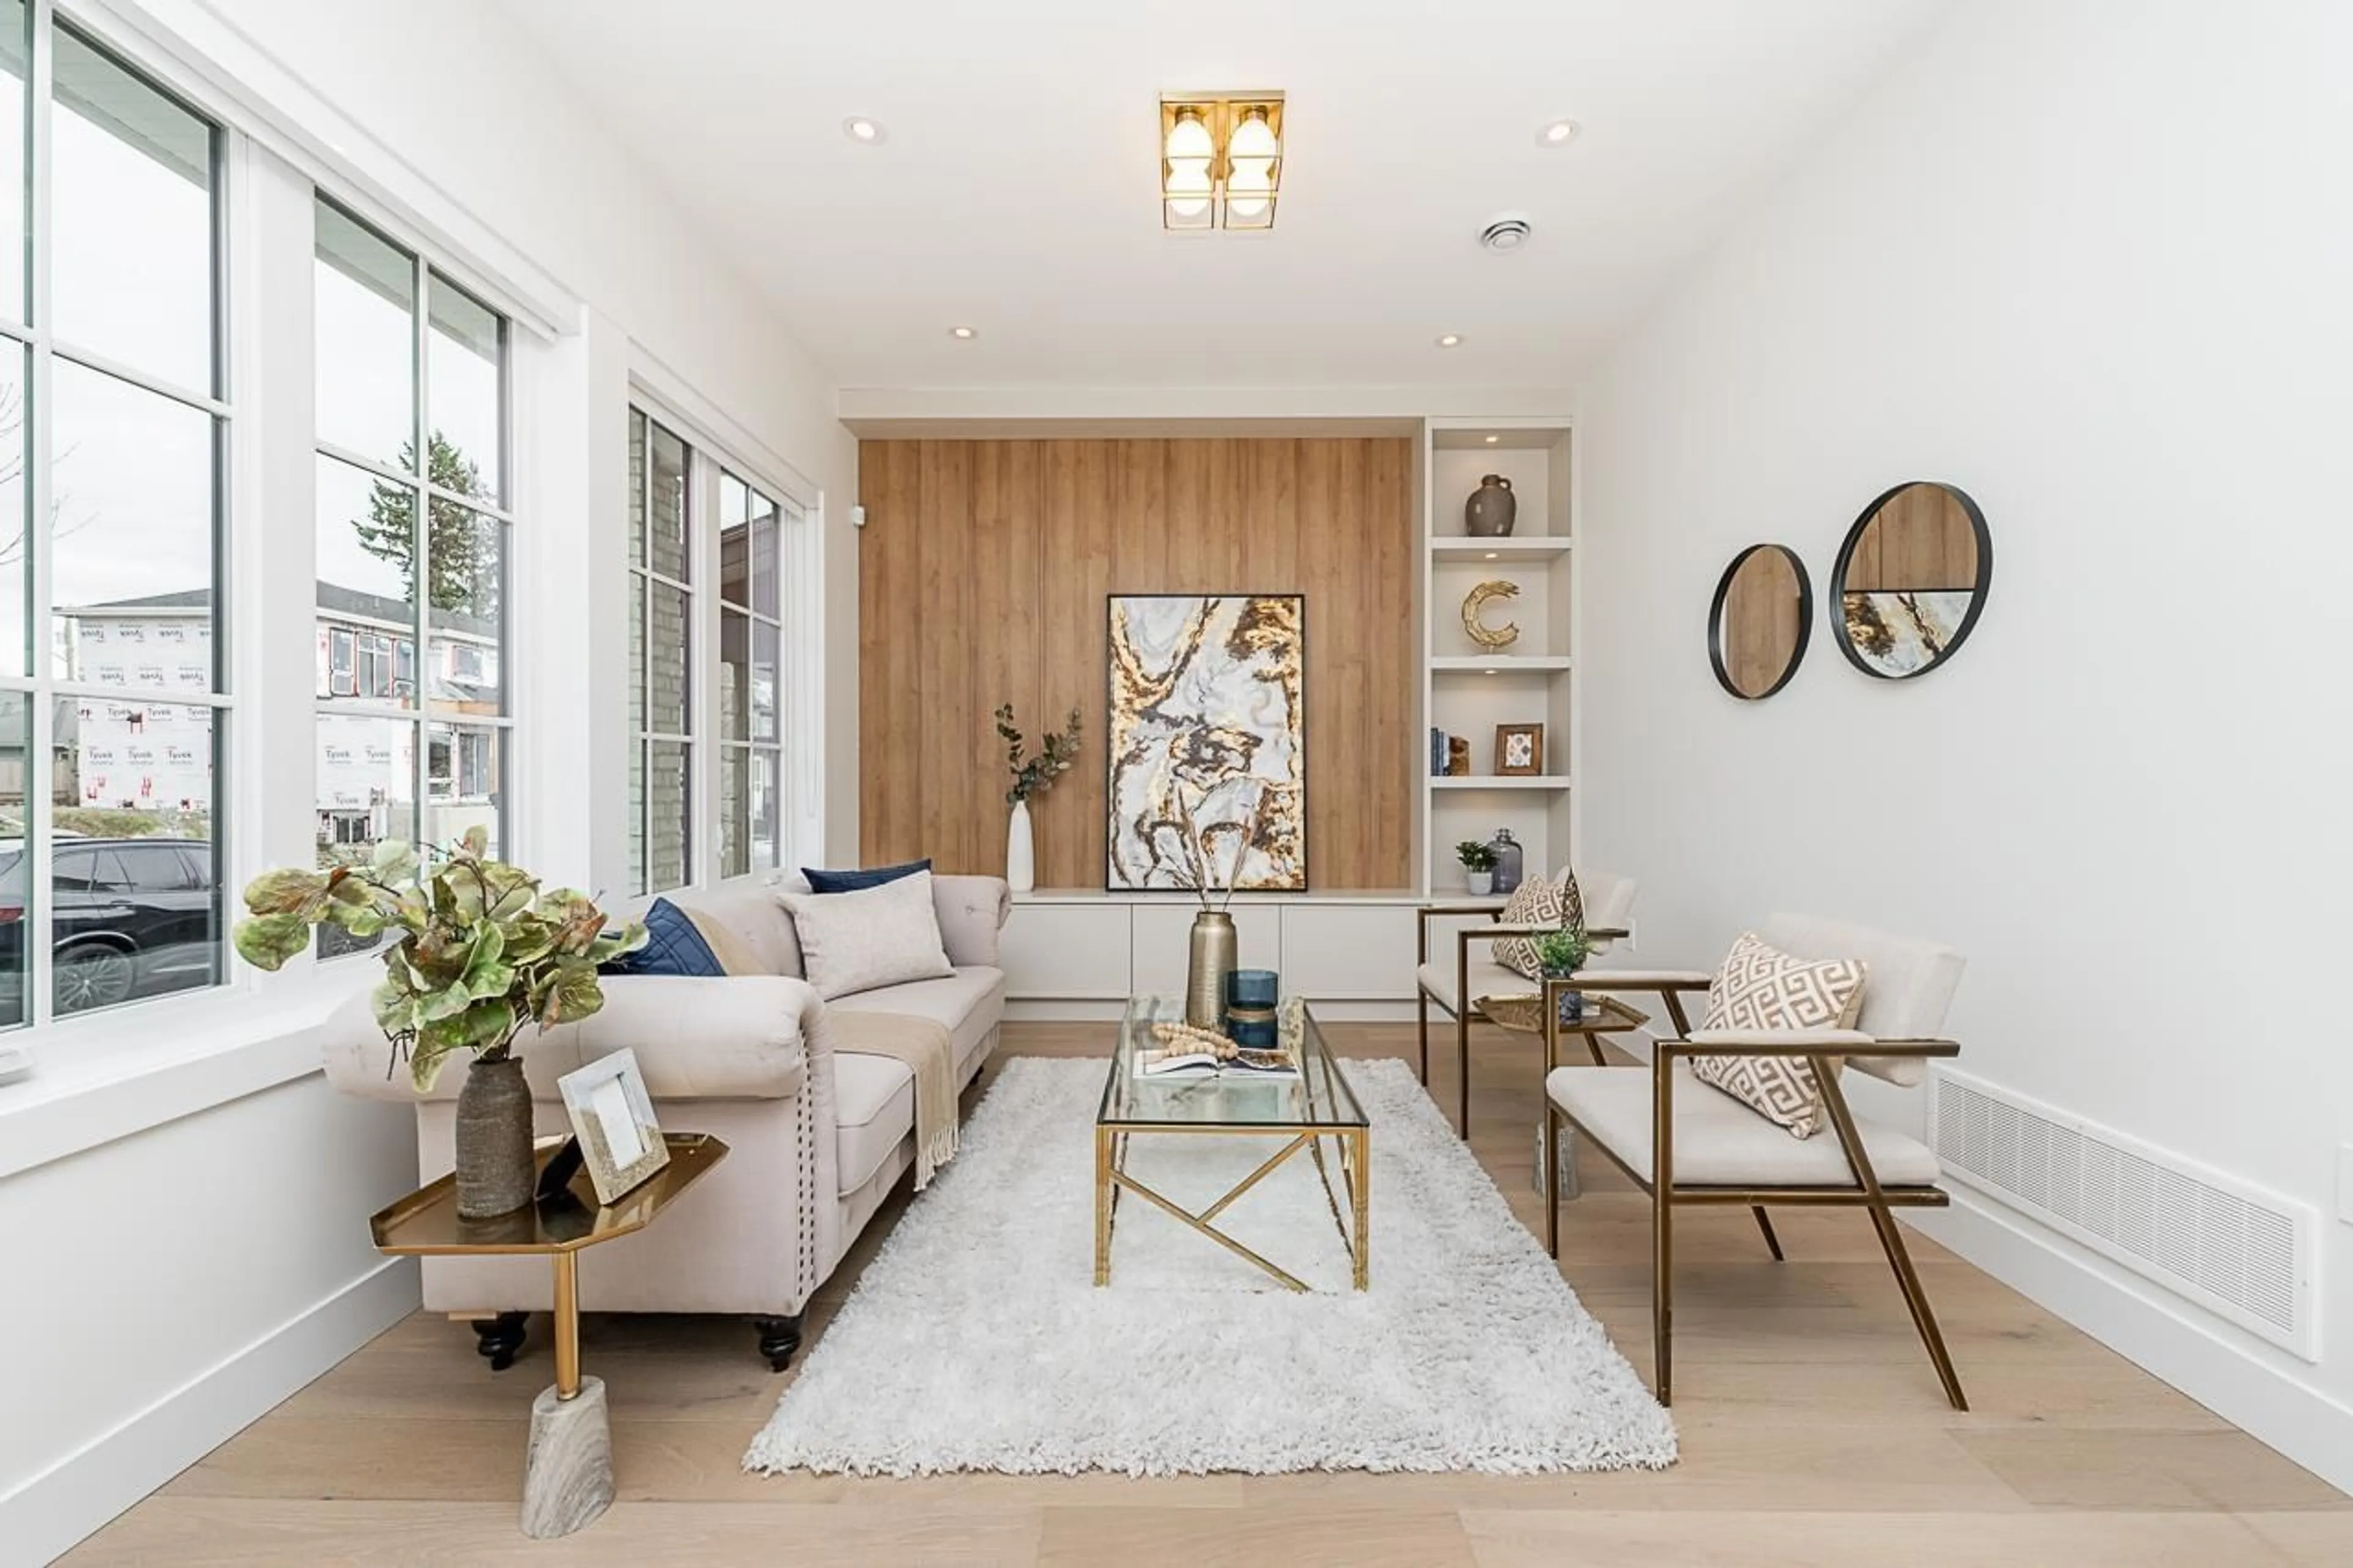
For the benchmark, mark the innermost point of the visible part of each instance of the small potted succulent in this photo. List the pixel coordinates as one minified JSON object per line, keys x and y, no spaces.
{"x":1478,"y":867}
{"x":1561,"y":953}
{"x":479,"y":950}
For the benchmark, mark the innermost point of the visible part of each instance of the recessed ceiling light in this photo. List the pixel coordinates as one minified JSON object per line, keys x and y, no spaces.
{"x":1486,"y":672}
{"x":1559,"y":134}
{"x":860,"y":129}
{"x":1449,"y":340}
{"x":1494,"y":556}
{"x":964,"y":334}
{"x":1493,"y":439}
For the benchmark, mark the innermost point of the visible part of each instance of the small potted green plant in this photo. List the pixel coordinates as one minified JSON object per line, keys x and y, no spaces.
{"x":1561,"y":953}
{"x":1478,"y":867}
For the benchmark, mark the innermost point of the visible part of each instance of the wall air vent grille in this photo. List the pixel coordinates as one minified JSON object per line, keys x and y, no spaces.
{"x":2232,"y":1248}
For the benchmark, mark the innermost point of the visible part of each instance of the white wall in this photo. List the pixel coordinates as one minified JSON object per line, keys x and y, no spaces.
{"x":175,"y":1280}
{"x":461,"y":95}
{"x":166,"y":1288}
{"x":464,"y":98}
{"x":2089,"y":261}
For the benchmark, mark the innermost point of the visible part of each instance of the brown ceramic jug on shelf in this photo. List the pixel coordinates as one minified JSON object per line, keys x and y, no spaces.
{"x":1491,"y":509}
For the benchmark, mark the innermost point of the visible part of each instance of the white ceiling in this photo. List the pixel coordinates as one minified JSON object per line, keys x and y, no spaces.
{"x":1017,"y":189}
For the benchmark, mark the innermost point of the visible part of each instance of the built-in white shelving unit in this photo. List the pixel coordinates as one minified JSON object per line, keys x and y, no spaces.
{"x":1514,"y":549}
{"x":1493,"y":664}
{"x":1509,"y":781}
{"x":1468,"y":691}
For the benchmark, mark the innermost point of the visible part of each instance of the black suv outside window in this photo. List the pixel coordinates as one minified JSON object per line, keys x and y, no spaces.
{"x":75,"y":872}
{"x":155,"y":869}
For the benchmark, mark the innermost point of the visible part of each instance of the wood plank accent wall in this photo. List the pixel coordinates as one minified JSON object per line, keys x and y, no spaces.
{"x":983,"y":571}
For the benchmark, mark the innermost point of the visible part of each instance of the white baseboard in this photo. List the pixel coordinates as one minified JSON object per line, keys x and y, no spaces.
{"x":47,"y":1515}
{"x":2241,"y":1379}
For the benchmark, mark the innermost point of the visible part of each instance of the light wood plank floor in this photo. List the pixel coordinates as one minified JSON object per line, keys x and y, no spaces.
{"x":1813,"y":1432}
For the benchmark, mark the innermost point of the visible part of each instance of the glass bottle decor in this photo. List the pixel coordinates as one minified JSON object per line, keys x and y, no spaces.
{"x":1509,"y":860}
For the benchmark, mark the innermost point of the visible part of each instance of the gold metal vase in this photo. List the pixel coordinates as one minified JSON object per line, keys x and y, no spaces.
{"x":1214,"y":953}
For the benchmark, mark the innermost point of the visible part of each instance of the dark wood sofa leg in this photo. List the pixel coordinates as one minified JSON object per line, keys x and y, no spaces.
{"x":498,"y":1339}
{"x":780,"y":1338}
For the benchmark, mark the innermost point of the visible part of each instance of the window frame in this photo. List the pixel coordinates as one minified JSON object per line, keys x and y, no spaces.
{"x":27,"y":328}
{"x":751,"y":748}
{"x":643,"y":580}
{"x":415,"y":708}
{"x":798,"y":747}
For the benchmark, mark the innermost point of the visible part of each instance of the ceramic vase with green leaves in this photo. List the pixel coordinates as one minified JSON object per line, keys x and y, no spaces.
{"x":479,"y":950}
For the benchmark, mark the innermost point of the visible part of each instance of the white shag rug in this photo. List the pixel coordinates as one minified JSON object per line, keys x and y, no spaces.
{"x":978,"y":1340}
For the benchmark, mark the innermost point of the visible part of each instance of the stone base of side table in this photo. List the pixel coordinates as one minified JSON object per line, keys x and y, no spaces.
{"x":568,"y":1470}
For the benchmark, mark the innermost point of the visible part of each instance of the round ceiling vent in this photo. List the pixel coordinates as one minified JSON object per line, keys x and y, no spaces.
{"x":1506,"y":232}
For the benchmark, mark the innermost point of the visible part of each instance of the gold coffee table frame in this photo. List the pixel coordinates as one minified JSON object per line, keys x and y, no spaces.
{"x":1304,"y":1111}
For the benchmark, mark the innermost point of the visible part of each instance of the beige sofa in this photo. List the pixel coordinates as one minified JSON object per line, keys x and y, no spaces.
{"x":816,"y":1139}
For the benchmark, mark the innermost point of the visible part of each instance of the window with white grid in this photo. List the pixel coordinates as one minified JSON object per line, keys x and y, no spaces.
{"x":412,"y":519}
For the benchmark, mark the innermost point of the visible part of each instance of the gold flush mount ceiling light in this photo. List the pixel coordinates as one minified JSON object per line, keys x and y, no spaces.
{"x":1220,"y":159}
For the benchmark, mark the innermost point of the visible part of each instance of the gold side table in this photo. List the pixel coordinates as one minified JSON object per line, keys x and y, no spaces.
{"x":568,"y":1477}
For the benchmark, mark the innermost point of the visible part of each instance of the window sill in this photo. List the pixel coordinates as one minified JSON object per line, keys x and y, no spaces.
{"x":187,"y":1060}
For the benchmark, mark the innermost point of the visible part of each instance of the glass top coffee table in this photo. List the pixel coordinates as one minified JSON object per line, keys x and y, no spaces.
{"x":1299,"y":1109}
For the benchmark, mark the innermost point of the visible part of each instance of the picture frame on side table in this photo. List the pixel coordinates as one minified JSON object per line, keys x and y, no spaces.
{"x":1519,"y":750}
{"x":613,"y":1117}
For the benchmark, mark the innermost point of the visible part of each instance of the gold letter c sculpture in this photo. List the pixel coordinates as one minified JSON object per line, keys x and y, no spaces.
{"x":1486,"y":635}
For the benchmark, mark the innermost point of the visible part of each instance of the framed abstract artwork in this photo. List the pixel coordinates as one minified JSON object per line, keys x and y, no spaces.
{"x":1207,"y":719}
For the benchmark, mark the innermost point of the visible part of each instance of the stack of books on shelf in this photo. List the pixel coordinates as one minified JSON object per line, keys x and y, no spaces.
{"x":1450,"y":755}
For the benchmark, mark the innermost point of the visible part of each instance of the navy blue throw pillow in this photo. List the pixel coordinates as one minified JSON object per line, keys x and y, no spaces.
{"x":857,"y":882}
{"x":672,"y":947}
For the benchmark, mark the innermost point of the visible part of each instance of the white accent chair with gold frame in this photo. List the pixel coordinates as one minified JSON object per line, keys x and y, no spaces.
{"x":1684,"y":1141}
{"x":1608,"y":901}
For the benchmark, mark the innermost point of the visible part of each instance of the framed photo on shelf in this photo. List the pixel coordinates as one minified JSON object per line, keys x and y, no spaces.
{"x":613,"y":1117}
{"x":1519,"y":749}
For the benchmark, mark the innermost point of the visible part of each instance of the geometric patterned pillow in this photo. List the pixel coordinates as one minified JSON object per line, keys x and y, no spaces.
{"x":1542,"y":904}
{"x":1761,"y":987}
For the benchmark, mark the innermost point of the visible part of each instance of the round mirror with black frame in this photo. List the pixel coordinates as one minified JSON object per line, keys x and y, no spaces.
{"x":1762,"y":618}
{"x":1911,"y":580}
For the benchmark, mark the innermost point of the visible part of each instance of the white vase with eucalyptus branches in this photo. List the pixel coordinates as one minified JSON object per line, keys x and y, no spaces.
{"x":1032,"y":776}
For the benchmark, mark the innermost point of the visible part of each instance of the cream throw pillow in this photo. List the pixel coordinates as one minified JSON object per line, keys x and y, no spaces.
{"x":1761,"y":987}
{"x":873,"y":937}
{"x":1543,"y":904}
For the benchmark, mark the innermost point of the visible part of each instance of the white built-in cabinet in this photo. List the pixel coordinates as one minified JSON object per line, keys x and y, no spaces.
{"x":1081,"y":952}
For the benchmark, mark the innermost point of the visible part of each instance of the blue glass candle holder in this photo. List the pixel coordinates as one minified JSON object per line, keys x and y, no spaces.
{"x":1250,"y":998}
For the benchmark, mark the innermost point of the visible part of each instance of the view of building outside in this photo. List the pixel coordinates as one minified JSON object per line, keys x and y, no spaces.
{"x":142,"y":764}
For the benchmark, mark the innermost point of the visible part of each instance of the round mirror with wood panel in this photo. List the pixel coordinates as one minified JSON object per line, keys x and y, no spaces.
{"x":1758,"y":626}
{"x":1911,"y":580}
